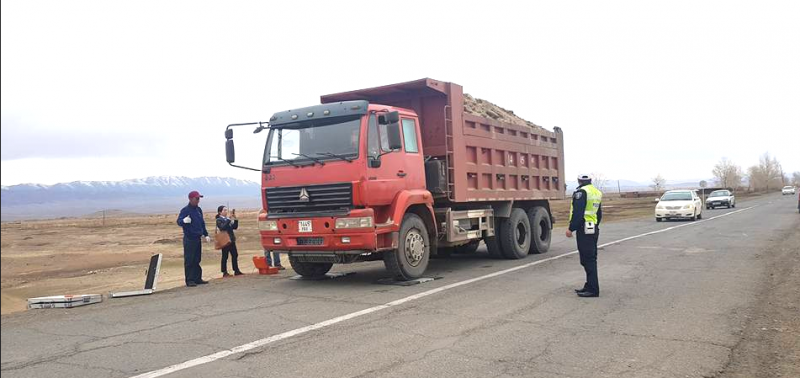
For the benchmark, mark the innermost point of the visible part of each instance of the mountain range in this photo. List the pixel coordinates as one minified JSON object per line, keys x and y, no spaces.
{"x":161,"y":194}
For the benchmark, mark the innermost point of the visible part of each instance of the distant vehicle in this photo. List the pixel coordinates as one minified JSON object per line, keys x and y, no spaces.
{"x":719,"y":198}
{"x":679,"y":204}
{"x":788,"y":190}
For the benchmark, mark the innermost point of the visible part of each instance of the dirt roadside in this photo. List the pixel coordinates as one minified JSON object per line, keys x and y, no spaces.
{"x":770,"y":344}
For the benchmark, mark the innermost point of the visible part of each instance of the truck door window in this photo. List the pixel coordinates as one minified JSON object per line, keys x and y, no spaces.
{"x":373,"y":139}
{"x":410,"y":135}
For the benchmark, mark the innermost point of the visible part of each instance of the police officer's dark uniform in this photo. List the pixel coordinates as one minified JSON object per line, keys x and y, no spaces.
{"x":193,"y":232}
{"x":586,"y":207}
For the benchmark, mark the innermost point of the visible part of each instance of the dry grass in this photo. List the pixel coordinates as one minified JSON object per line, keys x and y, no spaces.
{"x":73,"y":256}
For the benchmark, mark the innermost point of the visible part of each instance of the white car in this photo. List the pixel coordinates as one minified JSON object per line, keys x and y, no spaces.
{"x":679,"y":204}
{"x":788,"y":190}
{"x":719,"y":198}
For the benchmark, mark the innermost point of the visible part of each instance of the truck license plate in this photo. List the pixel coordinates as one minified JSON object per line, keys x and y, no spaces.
{"x":304,"y":226}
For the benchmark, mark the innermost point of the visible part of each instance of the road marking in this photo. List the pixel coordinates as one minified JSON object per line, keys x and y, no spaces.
{"x":330,"y":322}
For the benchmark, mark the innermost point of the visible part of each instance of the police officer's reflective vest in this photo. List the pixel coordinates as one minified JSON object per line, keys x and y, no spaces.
{"x":593,"y":199}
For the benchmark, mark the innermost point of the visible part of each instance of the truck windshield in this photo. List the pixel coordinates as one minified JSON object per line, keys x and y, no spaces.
{"x":333,"y":139}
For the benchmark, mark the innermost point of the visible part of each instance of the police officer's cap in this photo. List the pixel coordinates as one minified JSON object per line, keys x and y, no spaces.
{"x":584,"y":178}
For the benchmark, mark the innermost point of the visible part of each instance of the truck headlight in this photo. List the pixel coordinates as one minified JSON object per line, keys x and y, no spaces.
{"x":362,"y":222}
{"x":268,"y":225}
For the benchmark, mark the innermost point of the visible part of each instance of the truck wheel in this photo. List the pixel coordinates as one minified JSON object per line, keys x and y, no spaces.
{"x":541,"y":229}
{"x":469,"y":248}
{"x":516,"y":236}
{"x":311,"y":270}
{"x":410,"y":259}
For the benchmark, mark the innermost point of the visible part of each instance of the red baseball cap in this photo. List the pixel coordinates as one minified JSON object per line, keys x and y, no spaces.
{"x":194,"y":194}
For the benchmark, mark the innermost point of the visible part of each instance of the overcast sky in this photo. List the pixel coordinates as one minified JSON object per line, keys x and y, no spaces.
{"x":114,"y":90}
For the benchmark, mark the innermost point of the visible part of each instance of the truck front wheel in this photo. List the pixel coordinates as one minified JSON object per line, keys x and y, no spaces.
{"x":541,"y":229}
{"x":410,"y":259}
{"x":307,"y":269}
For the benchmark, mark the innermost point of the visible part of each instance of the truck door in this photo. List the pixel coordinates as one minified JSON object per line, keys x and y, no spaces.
{"x":386,"y":174}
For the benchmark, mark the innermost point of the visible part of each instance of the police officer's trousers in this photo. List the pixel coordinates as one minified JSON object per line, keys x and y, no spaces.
{"x":192,"y":253}
{"x":587,"y":248}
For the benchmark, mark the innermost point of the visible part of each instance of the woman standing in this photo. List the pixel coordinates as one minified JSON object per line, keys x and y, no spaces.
{"x":225,"y":224}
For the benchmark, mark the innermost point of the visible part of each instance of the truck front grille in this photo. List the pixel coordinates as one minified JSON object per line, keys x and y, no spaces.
{"x":310,"y":241}
{"x":309,"y":199}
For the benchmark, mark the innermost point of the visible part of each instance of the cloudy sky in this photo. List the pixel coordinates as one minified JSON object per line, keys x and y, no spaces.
{"x":115,"y":90}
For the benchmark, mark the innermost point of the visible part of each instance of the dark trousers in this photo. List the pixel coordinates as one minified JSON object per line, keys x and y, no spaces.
{"x":587,"y":248}
{"x":230,"y":249}
{"x":192,"y":252}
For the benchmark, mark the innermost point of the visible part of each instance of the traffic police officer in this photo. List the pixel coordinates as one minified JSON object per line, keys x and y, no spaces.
{"x":585,"y":214}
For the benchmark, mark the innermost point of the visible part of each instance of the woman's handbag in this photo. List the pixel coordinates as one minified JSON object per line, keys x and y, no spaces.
{"x":221,"y":239}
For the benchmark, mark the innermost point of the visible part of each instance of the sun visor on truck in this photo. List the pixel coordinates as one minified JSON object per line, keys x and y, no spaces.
{"x":320,"y":112}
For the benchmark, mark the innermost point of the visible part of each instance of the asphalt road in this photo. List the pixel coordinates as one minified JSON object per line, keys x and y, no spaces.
{"x":674,"y":303}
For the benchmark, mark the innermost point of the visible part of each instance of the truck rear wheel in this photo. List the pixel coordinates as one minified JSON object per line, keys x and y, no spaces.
{"x":307,"y":269}
{"x":516,"y":235}
{"x":542,"y":229}
{"x":410,"y":259}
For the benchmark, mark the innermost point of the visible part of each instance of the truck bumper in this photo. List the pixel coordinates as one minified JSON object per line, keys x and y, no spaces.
{"x":325,"y":242}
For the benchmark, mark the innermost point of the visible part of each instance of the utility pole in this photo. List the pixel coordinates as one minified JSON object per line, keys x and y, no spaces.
{"x":104,"y":217}
{"x":619,"y":188}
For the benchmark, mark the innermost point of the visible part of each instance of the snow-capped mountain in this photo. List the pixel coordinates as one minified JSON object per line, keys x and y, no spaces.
{"x":151,"y":194}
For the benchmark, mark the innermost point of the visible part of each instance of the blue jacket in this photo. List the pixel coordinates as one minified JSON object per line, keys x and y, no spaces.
{"x":197,"y":228}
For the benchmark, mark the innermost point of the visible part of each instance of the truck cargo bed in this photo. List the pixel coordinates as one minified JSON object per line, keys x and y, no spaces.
{"x":486,"y":160}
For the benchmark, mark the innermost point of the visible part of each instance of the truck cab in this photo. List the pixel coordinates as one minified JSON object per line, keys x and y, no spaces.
{"x":332,"y":178}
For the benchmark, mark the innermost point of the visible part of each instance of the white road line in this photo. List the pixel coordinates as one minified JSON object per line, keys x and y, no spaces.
{"x":330,"y":322}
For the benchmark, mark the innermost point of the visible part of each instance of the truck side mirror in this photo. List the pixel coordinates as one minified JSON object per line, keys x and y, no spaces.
{"x":374,"y":162}
{"x":230,"y":153}
{"x":229,"y":134}
{"x":393,"y":134}
{"x":389,"y":118}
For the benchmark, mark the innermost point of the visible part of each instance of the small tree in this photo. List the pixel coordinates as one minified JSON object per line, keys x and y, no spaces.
{"x":599,"y":180}
{"x":796,"y":179}
{"x":727,"y":174}
{"x":767,"y":174}
{"x":659,"y":183}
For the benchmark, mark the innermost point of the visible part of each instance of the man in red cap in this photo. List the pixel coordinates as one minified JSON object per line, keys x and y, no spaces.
{"x":194,"y":228}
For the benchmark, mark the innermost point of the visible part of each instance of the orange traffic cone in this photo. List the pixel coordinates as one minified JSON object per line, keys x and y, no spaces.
{"x":261,"y":264}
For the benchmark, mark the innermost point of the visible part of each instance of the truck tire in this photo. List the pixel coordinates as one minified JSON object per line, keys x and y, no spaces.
{"x":413,"y":252}
{"x":469,"y":248}
{"x":541,"y":229}
{"x":516,"y":236}
{"x":310,"y":270}
{"x":493,"y":242}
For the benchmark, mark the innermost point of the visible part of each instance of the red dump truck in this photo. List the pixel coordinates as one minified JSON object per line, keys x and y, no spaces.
{"x":401,"y":173}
